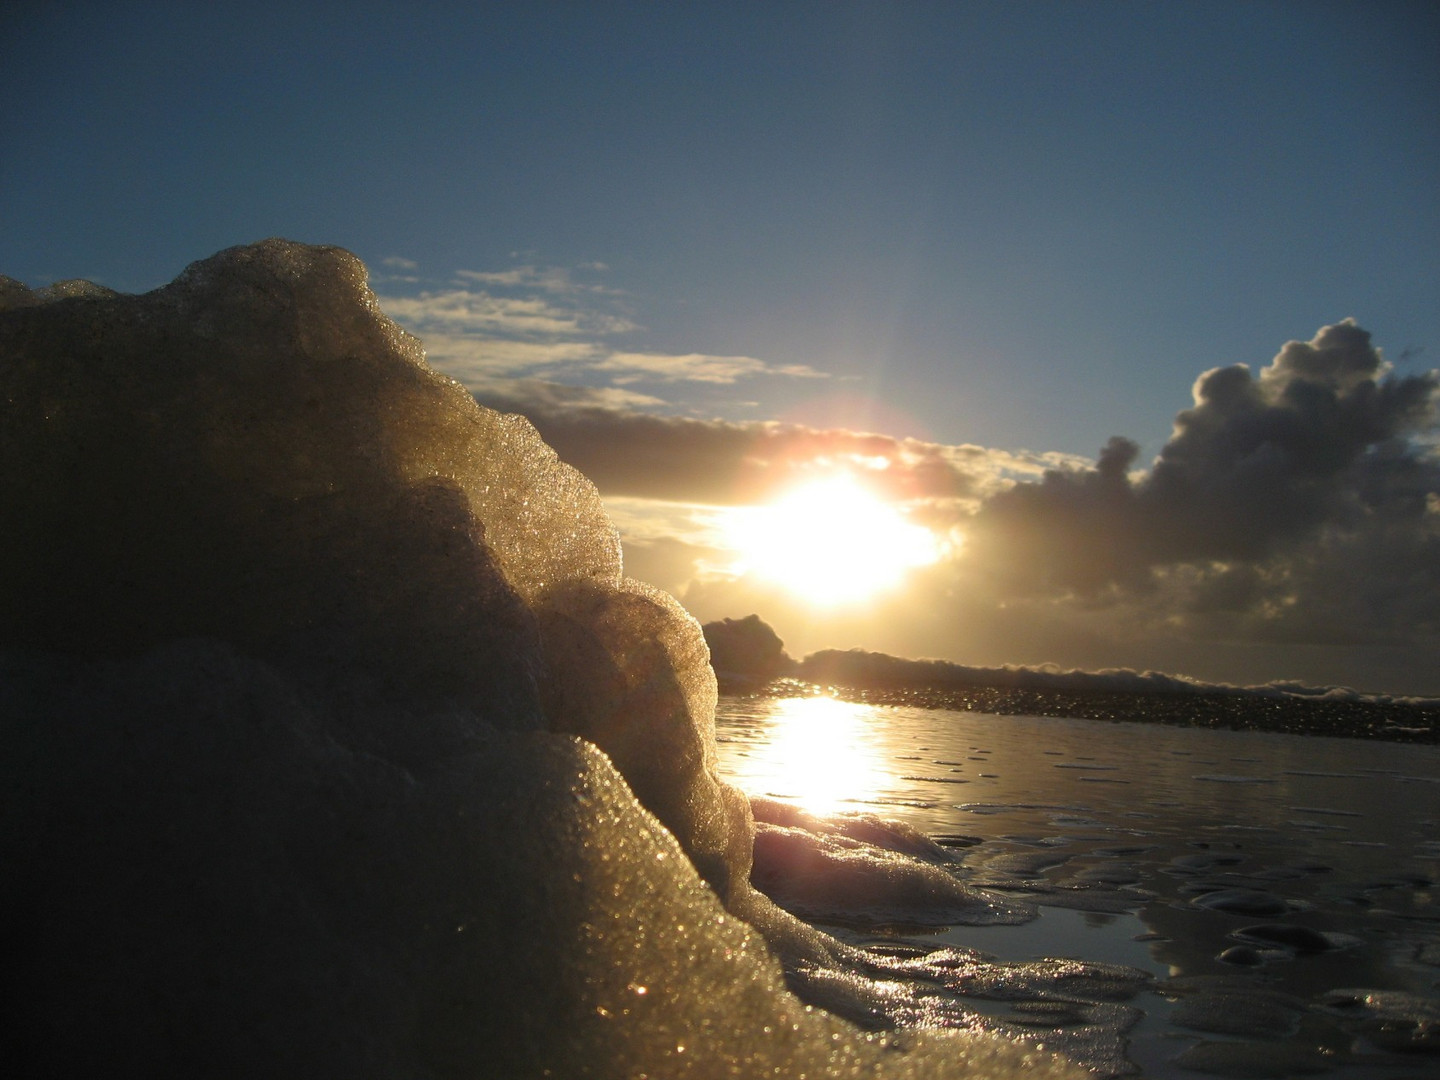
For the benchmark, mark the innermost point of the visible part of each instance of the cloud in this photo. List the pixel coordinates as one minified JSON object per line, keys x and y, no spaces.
{"x":1293,"y":504}
{"x":474,"y":357}
{"x":552,"y":279}
{"x":542,"y":323}
{"x":697,"y":367}
{"x":542,"y":395}
{"x":475,"y":360}
{"x":479,"y":312}
{"x":395,"y":262}
{"x":1295,"y":507}
{"x":719,"y":462}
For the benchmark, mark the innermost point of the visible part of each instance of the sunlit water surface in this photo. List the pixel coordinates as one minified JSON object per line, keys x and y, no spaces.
{"x":1127,"y":833}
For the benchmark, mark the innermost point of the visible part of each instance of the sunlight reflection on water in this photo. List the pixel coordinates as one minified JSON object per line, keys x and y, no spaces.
{"x":1187,"y":838}
{"x":821,"y":754}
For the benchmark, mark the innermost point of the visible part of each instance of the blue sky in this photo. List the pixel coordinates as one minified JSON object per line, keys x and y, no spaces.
{"x":1023,"y":228}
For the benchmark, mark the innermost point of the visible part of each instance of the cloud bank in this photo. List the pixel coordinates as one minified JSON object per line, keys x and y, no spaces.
{"x":1298,"y":503}
{"x":633,"y":453}
{"x":1289,"y":527}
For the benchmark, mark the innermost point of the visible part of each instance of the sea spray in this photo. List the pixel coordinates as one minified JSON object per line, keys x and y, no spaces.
{"x":310,"y":667}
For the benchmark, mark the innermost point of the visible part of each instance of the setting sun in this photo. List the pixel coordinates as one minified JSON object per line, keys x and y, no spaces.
{"x":831,"y":542}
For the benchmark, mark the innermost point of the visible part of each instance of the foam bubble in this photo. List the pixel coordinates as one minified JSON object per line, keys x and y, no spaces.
{"x":326,"y":709}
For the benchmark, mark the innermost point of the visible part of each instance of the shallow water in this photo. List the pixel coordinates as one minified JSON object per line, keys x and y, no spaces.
{"x":1260,"y":878}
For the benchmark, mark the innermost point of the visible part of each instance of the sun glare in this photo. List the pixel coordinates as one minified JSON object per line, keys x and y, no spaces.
{"x":821,"y":754}
{"x":831,"y":542}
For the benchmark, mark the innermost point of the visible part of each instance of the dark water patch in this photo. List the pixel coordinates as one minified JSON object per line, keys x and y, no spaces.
{"x":1398,"y":881}
{"x":1032,"y":840}
{"x":1230,"y":778}
{"x":1258,"y":1060}
{"x":1242,"y":956}
{"x":1201,"y":864}
{"x":1214,"y":884}
{"x":1024,"y":864}
{"x":1095,"y":899}
{"x":936,"y":779}
{"x":1300,"y":940}
{"x":1240,"y":1009}
{"x":1293,"y":871}
{"x":1005,"y":808}
{"x":1316,"y":826}
{"x":1076,"y":821}
{"x":1244,"y":902}
{"x":957,"y":840}
{"x":1390,"y":1019}
{"x":1110,"y":873}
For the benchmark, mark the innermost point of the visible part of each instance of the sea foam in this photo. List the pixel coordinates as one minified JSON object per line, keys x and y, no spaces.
{"x":336,"y":743}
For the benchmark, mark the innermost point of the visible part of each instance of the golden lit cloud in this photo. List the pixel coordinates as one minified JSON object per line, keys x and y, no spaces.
{"x":696,"y":367}
{"x":470,"y":358}
{"x":482,"y":312}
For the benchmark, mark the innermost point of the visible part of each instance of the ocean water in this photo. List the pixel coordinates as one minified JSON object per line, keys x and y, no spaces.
{"x":1280,"y":892}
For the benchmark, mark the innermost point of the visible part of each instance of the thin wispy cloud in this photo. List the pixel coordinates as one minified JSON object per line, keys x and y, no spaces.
{"x":542,"y":394}
{"x":481,"y":312}
{"x":468,"y":357}
{"x":539,"y":322}
{"x":697,"y":367}
{"x":551,"y":279}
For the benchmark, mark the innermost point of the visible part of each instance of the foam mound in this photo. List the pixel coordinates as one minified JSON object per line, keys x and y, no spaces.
{"x":336,"y":743}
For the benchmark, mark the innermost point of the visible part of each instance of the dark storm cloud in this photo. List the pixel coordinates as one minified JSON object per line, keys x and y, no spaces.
{"x":628,"y":453}
{"x":1303,"y":499}
{"x":1315,"y":439}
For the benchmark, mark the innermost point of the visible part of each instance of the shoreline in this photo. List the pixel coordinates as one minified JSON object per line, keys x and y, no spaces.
{"x":1345,"y":719}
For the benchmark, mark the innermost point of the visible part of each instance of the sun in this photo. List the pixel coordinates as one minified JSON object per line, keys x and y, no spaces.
{"x":831,"y":542}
